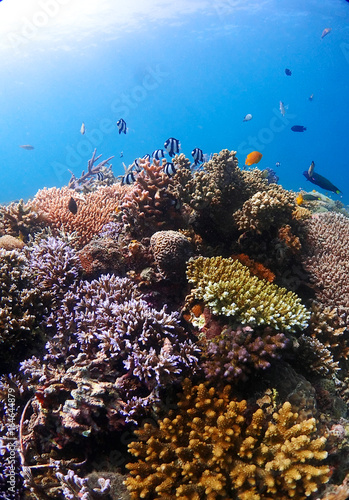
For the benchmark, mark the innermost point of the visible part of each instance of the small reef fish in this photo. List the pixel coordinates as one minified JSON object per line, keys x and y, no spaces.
{"x":158,"y":154}
{"x":253,"y":157}
{"x":311,"y":97}
{"x":121,"y":154}
{"x":128,"y":178}
{"x":299,"y":199}
{"x":198,"y":156}
{"x":28,"y":147}
{"x":136,"y":165}
{"x":321,"y":181}
{"x":311,"y":169}
{"x":146,"y":157}
{"x":170,"y":169}
{"x":248,"y":117}
{"x":72,"y":206}
{"x":82,"y":129}
{"x":100,"y":176}
{"x":282,"y":108}
{"x":277,"y":164}
{"x":288,"y":72}
{"x":121,"y":124}
{"x":326,"y":32}
{"x":172,"y":146}
{"x":298,"y":128}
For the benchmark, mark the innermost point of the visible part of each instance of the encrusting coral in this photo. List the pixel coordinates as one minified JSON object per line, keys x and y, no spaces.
{"x":228,"y":288}
{"x":213,"y":448}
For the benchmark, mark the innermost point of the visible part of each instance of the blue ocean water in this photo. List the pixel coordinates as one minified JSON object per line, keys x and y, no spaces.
{"x":188,"y":69}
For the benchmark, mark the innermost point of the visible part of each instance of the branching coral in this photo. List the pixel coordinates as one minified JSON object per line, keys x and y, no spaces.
{"x":229,"y":289}
{"x":211,"y":449}
{"x":20,"y":306}
{"x":111,"y":352}
{"x":95,"y":209}
{"x":19,"y":219}
{"x":265,"y":209}
{"x":234,"y":354}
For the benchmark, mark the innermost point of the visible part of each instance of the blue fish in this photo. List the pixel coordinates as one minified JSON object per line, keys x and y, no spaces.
{"x":172,"y":146}
{"x":158,"y":153}
{"x":170,"y":169}
{"x":321,"y":181}
{"x":121,"y":124}
{"x":288,"y":72}
{"x":298,"y":128}
{"x":198,"y":155}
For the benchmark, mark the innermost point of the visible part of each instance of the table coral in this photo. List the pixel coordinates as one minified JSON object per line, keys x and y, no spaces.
{"x":228,"y":288}
{"x":95,"y":209}
{"x":171,"y":250}
{"x":213,"y":449}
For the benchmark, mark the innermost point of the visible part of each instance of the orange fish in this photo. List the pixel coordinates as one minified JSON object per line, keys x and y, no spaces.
{"x":326,"y":32}
{"x":253,"y":157}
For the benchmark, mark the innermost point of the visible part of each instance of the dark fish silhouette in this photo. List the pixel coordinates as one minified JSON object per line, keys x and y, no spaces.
{"x":321,"y":181}
{"x":72,"y":206}
{"x":288,"y":72}
{"x":298,"y":128}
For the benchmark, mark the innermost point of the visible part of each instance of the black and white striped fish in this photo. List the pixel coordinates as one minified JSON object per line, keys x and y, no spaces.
{"x":158,"y":154}
{"x":146,"y":157}
{"x":128,"y":178}
{"x":100,"y":176}
{"x":198,"y":155}
{"x":170,"y":168}
{"x":136,"y":166}
{"x":172,"y":146}
{"x":121,"y":124}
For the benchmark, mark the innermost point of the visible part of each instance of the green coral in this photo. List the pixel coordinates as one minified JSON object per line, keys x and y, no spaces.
{"x":228,"y":288}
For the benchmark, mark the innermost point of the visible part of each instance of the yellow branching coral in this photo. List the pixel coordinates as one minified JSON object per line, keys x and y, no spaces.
{"x":212,"y":450}
{"x":227,"y":287}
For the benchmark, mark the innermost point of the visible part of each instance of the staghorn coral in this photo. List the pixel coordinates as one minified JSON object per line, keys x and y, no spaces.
{"x":110,"y":355}
{"x":171,"y":251}
{"x":96,"y":175}
{"x":211,"y":449}
{"x":95,"y":209}
{"x":228,"y":288}
{"x":265,"y":209}
{"x":55,"y":267}
{"x":326,"y":259}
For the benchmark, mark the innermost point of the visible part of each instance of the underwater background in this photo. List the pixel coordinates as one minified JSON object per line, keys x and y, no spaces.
{"x":189,"y":69}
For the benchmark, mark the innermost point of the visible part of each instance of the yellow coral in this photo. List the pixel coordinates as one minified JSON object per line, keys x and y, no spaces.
{"x":212,"y":450}
{"x":228,"y":288}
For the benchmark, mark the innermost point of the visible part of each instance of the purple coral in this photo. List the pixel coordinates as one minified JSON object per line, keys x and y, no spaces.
{"x":234,"y":354}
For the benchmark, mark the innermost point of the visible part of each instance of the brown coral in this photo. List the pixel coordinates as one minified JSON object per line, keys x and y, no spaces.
{"x":95,"y":209}
{"x":255,"y":268}
{"x":326,"y":258}
{"x":265,"y":209}
{"x":9,"y":242}
{"x":211,"y":449}
{"x":171,"y":251}
{"x":19,"y":219}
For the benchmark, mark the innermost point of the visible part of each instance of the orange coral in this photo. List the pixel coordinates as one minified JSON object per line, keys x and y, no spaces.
{"x":95,"y":209}
{"x":290,"y":240}
{"x":255,"y":268}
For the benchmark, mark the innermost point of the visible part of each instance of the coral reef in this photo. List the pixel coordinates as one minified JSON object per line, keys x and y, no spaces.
{"x":171,"y":251}
{"x":229,"y":289}
{"x":9,"y":242}
{"x":212,"y":449}
{"x":95,"y":209}
{"x":96,"y":175}
{"x":326,"y":259}
{"x":19,"y":219}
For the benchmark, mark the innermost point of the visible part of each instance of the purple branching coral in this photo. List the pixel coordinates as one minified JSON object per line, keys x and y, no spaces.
{"x":111,"y":351}
{"x":55,"y":267}
{"x":235,"y":353}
